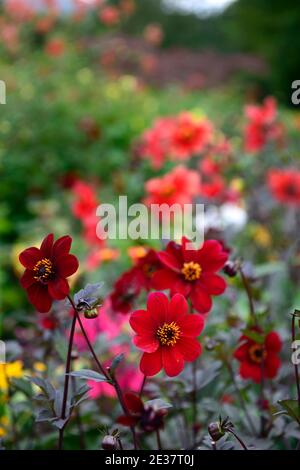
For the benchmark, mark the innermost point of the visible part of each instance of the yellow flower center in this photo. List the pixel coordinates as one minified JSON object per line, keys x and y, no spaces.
{"x":168,"y":334}
{"x":191,"y":271}
{"x":257,"y":353}
{"x":43,"y":270}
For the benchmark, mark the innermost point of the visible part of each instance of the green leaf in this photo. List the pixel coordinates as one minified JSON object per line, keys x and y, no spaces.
{"x":255,"y":336}
{"x":292,"y":409}
{"x":115,"y":363}
{"x":89,"y":375}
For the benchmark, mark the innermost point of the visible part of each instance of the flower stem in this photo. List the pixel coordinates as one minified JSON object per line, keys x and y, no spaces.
{"x":66,"y":383}
{"x":241,"y":399}
{"x":159,"y":446}
{"x":143,"y":385}
{"x":194,"y":401}
{"x":238,"y":439}
{"x":106,"y":373}
{"x":248,"y":291}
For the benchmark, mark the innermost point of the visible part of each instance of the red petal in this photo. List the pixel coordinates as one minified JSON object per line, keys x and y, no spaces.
{"x":241,"y":353}
{"x":190,"y":348}
{"x":273,"y":342}
{"x":178,"y":308}
{"x":46,"y":246}
{"x":172,"y":361}
{"x":201,"y":300}
{"x":181,"y":287}
{"x":30,"y":257}
{"x":39,"y":297}
{"x":271,"y":365}
{"x":151,"y":363}
{"x":67,"y":265}
{"x":58,"y":288}
{"x":147,"y":344}
{"x":213,"y":284}
{"x":211,"y":257}
{"x":127,"y":420}
{"x":169,"y":260}
{"x":163,"y":279}
{"x":250,"y":371}
{"x":133,"y":403}
{"x":191,"y":325}
{"x":62,"y":246}
{"x":141,"y":322}
{"x":27,"y":279}
{"x":158,"y":306}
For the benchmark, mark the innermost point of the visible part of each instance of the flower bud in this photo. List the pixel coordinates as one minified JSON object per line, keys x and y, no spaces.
{"x":109,"y":443}
{"x":91,"y":314}
{"x":215,"y":431}
{"x":230,"y":269}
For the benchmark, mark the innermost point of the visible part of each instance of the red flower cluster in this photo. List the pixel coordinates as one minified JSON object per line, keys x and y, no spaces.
{"x":166,"y":333}
{"x":177,"y":138}
{"x":46,"y":271}
{"x":131,"y":283}
{"x":177,"y":187}
{"x":84,"y":208}
{"x":259,"y":359}
{"x":191,"y":272}
{"x":262,"y":126}
{"x":285,"y":185}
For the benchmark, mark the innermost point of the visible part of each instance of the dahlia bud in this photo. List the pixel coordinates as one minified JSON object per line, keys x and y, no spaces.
{"x":91,"y":314}
{"x":109,"y":443}
{"x":231,"y":268}
{"x":215,"y":431}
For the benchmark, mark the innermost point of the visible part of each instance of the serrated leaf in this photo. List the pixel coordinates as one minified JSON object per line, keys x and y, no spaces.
{"x":88,"y":374}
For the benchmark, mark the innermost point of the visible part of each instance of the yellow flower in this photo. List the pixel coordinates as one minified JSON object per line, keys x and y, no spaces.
{"x":9,"y":371}
{"x":40,"y":366}
{"x":4,"y":422}
{"x":262,"y":236}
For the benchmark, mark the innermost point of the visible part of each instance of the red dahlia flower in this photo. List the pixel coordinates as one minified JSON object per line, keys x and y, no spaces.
{"x":189,"y":136}
{"x":285,"y":185}
{"x":179,"y":186}
{"x":167,"y":333}
{"x":259,"y":359}
{"x":192,"y":273}
{"x":46,"y":271}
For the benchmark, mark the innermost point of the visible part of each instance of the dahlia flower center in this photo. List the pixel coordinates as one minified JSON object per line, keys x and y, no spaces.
{"x":168,"y":334}
{"x":168,"y":190}
{"x":257,"y":353}
{"x":43,"y":270}
{"x":187,"y":133}
{"x":191,"y":271}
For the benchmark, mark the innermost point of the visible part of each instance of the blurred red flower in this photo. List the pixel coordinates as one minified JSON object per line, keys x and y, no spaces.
{"x":192,"y":273}
{"x":259,"y":359}
{"x":262,"y":126}
{"x":55,"y":47}
{"x":85,"y":201}
{"x":189,"y":136}
{"x":109,"y":15}
{"x":285,"y":185}
{"x":126,"y":289}
{"x":166,"y":333}
{"x":146,"y":416}
{"x":46,"y":271}
{"x":177,"y":187}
